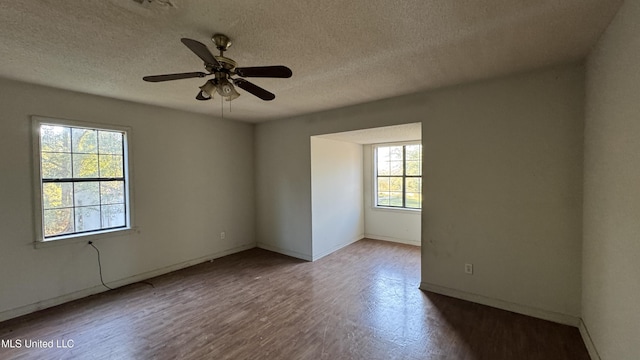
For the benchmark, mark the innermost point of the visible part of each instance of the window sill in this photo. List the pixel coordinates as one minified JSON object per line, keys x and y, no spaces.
{"x":395,"y":209}
{"x":74,"y":239}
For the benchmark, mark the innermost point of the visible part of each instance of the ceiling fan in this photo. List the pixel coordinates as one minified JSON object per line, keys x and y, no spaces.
{"x":223,"y":68}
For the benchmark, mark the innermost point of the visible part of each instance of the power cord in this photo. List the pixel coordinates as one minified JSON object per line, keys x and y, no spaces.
{"x":100,"y":269}
{"x":99,"y":265}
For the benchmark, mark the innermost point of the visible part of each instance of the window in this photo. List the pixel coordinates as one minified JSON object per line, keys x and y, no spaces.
{"x":83,"y":179}
{"x":399,"y":176}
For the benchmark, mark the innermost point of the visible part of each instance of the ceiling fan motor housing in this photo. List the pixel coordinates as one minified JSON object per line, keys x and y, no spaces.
{"x":222,"y":41}
{"x":227,"y":64}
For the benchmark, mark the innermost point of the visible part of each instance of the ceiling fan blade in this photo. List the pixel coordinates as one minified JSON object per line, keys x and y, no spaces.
{"x":265,"y":71}
{"x":167,"y":77}
{"x":254,"y":89}
{"x":201,"y":50}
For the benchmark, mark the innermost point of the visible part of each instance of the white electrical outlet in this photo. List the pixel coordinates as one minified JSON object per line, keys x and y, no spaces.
{"x":468,"y":269}
{"x":223,"y":235}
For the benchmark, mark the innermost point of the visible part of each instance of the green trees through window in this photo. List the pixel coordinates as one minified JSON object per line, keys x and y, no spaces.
{"x":399,"y":176}
{"x":83,"y":179}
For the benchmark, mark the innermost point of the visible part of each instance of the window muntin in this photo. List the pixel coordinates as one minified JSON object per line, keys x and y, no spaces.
{"x":398,"y":176}
{"x":83,"y":178}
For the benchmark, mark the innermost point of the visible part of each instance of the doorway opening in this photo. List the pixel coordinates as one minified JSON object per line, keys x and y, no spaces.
{"x":345,"y":187}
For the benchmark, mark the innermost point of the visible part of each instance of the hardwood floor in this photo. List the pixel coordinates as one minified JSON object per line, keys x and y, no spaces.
{"x":361,"y":302}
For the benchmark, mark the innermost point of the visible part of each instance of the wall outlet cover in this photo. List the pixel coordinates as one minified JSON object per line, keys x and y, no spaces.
{"x":468,"y":269}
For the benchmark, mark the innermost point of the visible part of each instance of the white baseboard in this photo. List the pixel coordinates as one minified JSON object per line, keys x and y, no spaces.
{"x":26,"y":309}
{"x":282,"y":251}
{"x":392,"y":239}
{"x":588,"y":342}
{"x":504,"y":305}
{"x":336,"y":248}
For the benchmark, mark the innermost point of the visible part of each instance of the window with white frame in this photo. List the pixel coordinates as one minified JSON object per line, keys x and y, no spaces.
{"x":398,"y":175}
{"x":83,"y":179}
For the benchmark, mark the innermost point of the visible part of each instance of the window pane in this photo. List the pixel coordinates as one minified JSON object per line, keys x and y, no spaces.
{"x":87,"y":218}
{"x":396,"y":168}
{"x":399,"y":171}
{"x":383,"y":168}
{"x":383,"y":199}
{"x":383,"y":184}
{"x":113,"y":216}
{"x":395,"y":184}
{"x":76,"y":154}
{"x":413,"y":168}
{"x":57,"y":195}
{"x":110,"y":166}
{"x":55,"y":138}
{"x":55,"y":165}
{"x":112,"y":192}
{"x":58,"y":222}
{"x":395,"y":153}
{"x":85,"y":166}
{"x":383,"y":154}
{"x":395,"y":199}
{"x":86,"y":193}
{"x":382,"y":159}
{"x":110,"y":142}
{"x":413,"y":196}
{"x":413,"y":152}
{"x":413,"y":184}
{"x":85,"y":141}
{"x":413,"y":200}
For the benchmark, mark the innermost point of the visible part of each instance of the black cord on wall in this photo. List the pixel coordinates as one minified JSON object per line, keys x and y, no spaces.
{"x":100,"y":269}
{"x":99,"y":265}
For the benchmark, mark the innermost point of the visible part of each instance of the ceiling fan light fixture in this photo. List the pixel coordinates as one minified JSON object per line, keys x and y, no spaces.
{"x":203,"y":96}
{"x":208,"y":89}
{"x":226,"y":90}
{"x":223,"y":69}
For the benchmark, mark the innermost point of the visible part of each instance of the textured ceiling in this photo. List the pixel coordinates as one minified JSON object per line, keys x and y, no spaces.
{"x":341,"y":52}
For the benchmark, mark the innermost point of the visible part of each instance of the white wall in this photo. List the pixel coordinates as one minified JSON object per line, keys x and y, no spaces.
{"x":611,"y":273}
{"x":193,"y":178}
{"x":503,"y":188}
{"x":337,"y":213}
{"x":283,"y":167}
{"x":503,"y":191}
{"x":401,"y":226}
{"x":283,"y":189}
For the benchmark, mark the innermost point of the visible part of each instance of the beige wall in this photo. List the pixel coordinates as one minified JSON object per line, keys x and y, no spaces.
{"x":193,"y":178}
{"x":336,"y":195}
{"x":503,"y":191}
{"x":283,"y":168}
{"x":503,"y":185}
{"x":611,"y":273}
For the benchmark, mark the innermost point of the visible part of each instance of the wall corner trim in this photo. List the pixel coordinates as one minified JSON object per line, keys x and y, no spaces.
{"x":336,"y":248}
{"x":588,"y":342}
{"x":282,"y":251}
{"x":503,"y":305}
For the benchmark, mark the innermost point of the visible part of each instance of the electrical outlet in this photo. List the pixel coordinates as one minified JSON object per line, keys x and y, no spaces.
{"x":223,"y":235}
{"x":468,"y":269}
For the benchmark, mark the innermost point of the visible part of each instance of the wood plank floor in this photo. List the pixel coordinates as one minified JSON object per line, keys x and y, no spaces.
{"x":361,"y":302}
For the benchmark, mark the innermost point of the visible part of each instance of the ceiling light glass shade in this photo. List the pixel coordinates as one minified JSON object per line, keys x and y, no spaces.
{"x":203,"y":96}
{"x":226,"y":90}
{"x":208,"y":89}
